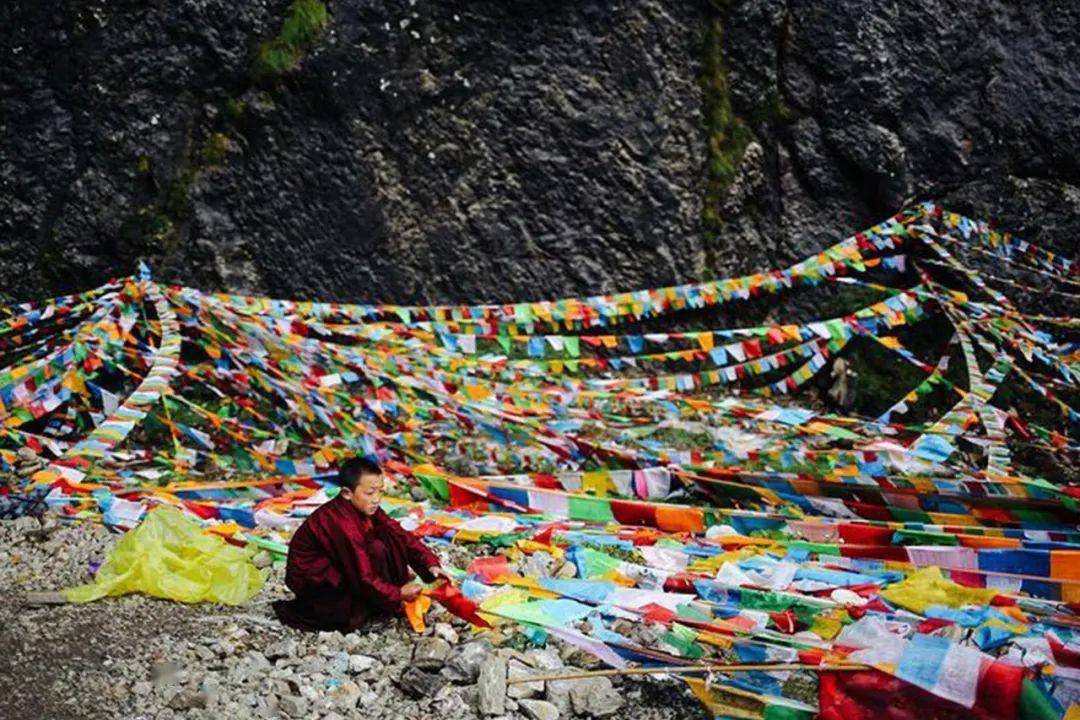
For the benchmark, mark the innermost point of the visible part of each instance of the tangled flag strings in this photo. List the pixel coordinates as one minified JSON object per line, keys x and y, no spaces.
{"x":672,"y":472}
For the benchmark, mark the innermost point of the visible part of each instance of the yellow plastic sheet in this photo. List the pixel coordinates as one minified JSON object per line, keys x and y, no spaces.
{"x":928,"y":586}
{"x":169,"y":556}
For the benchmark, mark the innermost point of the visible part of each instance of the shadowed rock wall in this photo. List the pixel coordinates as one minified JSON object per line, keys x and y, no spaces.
{"x":472,"y":151}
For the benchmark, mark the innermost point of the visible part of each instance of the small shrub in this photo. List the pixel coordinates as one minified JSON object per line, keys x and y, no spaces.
{"x":304,"y":21}
{"x":273,"y":59}
{"x":235,"y":109}
{"x":727,"y":135}
{"x":147,"y":232}
{"x":215,"y":148}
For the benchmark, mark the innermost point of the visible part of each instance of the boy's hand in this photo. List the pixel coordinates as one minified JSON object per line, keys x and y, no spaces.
{"x":410,"y":592}
{"x":438,"y":572}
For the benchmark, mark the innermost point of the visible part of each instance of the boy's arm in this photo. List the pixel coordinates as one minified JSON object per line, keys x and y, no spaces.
{"x":420,"y":558}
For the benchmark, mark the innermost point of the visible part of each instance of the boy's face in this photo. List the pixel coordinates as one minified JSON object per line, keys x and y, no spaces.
{"x":367,"y":494}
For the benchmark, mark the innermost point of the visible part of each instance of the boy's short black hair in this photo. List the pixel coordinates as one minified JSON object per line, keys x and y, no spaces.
{"x":350,"y":470}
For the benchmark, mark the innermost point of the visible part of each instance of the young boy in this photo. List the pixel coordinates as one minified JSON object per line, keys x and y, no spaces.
{"x":349,"y":562}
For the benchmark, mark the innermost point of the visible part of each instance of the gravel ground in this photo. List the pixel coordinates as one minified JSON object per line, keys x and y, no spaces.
{"x":140,"y":657}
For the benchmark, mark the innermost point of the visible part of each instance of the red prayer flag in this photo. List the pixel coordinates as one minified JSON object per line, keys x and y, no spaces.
{"x":658,"y":613}
{"x":874,"y":695}
{"x":490,"y":569}
{"x":457,"y":604}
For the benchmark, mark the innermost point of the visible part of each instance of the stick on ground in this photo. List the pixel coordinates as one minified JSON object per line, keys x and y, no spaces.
{"x":678,"y":669}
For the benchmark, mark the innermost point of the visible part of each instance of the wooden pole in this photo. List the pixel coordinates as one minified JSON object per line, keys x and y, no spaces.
{"x":677,"y":669}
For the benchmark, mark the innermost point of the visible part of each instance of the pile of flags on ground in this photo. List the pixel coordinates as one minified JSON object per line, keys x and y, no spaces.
{"x":924,"y":558}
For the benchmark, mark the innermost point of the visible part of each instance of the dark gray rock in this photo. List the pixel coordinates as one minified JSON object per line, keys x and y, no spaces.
{"x":417,"y":683}
{"x":491,"y":686}
{"x":464,"y":665}
{"x":470,"y":151}
{"x":281,"y":649}
{"x":188,"y":700}
{"x":595,"y":697}
{"x":539,"y":709}
{"x":294,"y":706}
{"x":484,"y":150}
{"x":861,"y":107}
{"x":517,"y":670}
{"x":430,"y":653}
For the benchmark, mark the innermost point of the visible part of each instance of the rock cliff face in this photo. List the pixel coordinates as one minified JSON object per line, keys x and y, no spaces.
{"x":856,"y":107}
{"x":484,"y":150}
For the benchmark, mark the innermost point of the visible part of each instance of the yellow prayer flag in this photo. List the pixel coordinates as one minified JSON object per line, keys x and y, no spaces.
{"x":927,"y":586}
{"x":476,"y":392}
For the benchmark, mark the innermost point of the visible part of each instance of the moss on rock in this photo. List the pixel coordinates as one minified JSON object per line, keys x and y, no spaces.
{"x":727,"y":134}
{"x":305,"y":21}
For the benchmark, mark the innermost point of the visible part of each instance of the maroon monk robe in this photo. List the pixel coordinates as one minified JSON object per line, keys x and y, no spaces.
{"x":347,"y":568}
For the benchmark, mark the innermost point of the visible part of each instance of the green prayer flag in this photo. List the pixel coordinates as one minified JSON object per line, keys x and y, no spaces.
{"x":1035,"y":704}
{"x":435,"y":486}
{"x":523,"y":313}
{"x":764,"y":600}
{"x":682,"y":639}
{"x":817,"y":548}
{"x":923,"y":537}
{"x":593,"y":562}
{"x":690,"y":611}
{"x":776,"y":711}
{"x":590,"y":509}
{"x":906,"y":515}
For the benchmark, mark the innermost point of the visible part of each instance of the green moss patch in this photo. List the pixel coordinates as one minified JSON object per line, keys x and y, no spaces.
{"x":305,"y":21}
